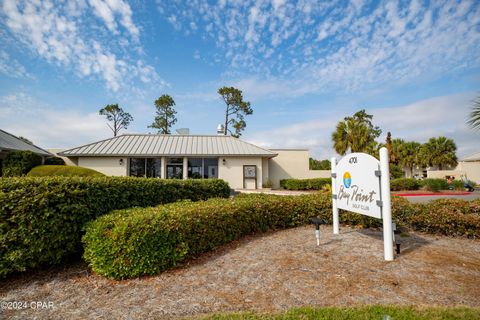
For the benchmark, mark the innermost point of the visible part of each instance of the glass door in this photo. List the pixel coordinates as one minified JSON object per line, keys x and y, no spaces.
{"x":174,"y":168}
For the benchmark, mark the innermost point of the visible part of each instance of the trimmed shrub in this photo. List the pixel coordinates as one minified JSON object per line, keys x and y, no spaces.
{"x":54,"y":161}
{"x":65,"y":171}
{"x":404,"y":184}
{"x":434,"y":185}
{"x":146,"y":241}
{"x":134,"y":242}
{"x":42,"y":219}
{"x":458,"y":185}
{"x":304,"y":184}
{"x":450,"y":217}
{"x":19,"y":163}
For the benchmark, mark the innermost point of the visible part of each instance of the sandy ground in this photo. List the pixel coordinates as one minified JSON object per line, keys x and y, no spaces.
{"x":265,"y":273}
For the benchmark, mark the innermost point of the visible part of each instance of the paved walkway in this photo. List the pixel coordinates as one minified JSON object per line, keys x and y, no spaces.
{"x":423,"y":199}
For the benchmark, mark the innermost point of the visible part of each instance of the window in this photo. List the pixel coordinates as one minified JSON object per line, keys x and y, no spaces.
{"x":154,"y":167}
{"x":195,"y":168}
{"x":210,"y":167}
{"x":145,"y":167}
{"x":137,"y":167}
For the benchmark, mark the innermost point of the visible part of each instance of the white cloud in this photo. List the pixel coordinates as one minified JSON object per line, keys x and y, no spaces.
{"x":49,"y":127}
{"x":418,"y":121}
{"x":313,"y":47}
{"x":107,"y":11}
{"x":65,"y":35}
{"x":10,"y":67}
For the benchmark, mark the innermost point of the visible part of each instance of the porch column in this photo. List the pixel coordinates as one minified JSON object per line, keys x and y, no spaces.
{"x":185,"y":168}
{"x":163,"y":167}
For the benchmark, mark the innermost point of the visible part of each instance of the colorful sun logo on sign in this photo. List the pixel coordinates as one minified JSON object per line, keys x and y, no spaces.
{"x":347,"y":179}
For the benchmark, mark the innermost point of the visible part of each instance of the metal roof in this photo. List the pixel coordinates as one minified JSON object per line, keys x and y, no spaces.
{"x":168,"y":145}
{"x":10,"y":142}
{"x":473,"y":157}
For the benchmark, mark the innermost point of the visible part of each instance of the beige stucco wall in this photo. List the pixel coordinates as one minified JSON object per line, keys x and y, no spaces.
{"x":471,"y":169}
{"x":72,"y":161}
{"x":442,"y":174}
{"x":292,"y":164}
{"x":109,"y":166}
{"x":232,"y":171}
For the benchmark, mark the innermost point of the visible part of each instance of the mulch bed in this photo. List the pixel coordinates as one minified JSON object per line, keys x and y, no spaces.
{"x":265,"y":273}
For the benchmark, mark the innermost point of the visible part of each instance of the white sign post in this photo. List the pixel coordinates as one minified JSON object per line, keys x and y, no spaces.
{"x":361,"y":183}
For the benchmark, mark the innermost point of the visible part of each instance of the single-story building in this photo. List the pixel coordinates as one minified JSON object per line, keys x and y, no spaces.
{"x":468,"y":167}
{"x":242,"y":164}
{"x":9,"y":143}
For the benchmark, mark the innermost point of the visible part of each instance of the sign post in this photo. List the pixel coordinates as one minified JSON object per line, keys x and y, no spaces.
{"x":361,"y":183}
{"x":336,"y":222}
{"x":386,"y":205}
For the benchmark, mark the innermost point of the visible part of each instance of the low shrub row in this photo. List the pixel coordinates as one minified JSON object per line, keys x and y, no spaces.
{"x":434,"y":185}
{"x":42,"y":219}
{"x":401,"y":184}
{"x":145,"y":241}
{"x":62,"y":170}
{"x":304,"y":184}
{"x":54,"y":161}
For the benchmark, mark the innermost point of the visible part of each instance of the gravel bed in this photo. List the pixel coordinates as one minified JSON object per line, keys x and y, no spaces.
{"x":265,"y":273}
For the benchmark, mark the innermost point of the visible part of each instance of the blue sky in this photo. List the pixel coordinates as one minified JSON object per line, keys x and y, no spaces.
{"x":304,"y":65}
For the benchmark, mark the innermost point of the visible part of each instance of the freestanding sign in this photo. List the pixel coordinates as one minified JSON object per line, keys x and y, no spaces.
{"x":361,"y":184}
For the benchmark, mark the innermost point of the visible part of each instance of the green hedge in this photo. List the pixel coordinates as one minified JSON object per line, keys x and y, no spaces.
{"x":304,"y":184}
{"x":145,"y":241}
{"x":65,"y":171}
{"x":19,"y":163}
{"x":434,"y":185}
{"x":57,"y":161}
{"x":42,"y":219}
{"x":134,"y":242}
{"x":404,"y":184}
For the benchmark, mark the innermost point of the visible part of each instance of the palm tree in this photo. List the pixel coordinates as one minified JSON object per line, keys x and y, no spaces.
{"x":409,"y":155}
{"x":355,"y":134}
{"x":474,"y":120}
{"x":396,"y":150}
{"x":438,"y":152}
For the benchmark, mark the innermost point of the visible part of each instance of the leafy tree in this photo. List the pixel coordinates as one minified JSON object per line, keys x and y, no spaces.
{"x":395,"y":171}
{"x":120,"y":118}
{"x":356,"y":134}
{"x":19,"y":163}
{"x":319,"y":164}
{"x":165,"y":115}
{"x":438,"y":152}
{"x":236,"y":109}
{"x":474,"y":120}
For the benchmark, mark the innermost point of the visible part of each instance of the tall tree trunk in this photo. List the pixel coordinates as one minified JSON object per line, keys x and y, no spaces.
{"x":226,"y":123}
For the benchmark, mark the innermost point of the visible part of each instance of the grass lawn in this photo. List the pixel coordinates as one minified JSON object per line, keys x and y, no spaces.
{"x":367,"y":312}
